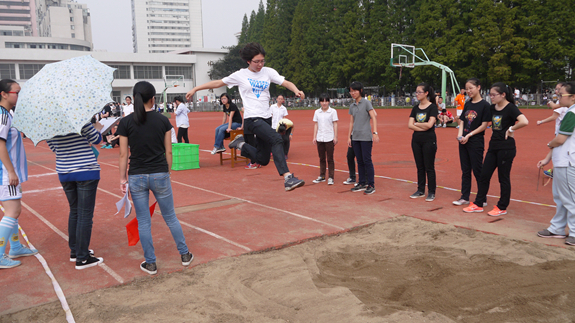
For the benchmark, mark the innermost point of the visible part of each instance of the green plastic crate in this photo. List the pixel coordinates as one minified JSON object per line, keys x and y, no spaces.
{"x":185,"y":156}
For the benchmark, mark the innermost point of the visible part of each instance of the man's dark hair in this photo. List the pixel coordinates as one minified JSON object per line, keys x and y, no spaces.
{"x":251,"y":50}
{"x":357,"y":86}
{"x":179,"y":99}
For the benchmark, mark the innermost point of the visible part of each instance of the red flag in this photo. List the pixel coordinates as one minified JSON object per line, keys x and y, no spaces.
{"x":132,"y":228}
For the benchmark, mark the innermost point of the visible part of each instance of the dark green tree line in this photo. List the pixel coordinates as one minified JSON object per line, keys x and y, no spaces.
{"x":319,"y":44}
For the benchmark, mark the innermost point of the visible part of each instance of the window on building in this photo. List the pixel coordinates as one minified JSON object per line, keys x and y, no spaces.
{"x":122,"y":72}
{"x":186,"y":71}
{"x":71,"y":19}
{"x":29,"y":70}
{"x":14,"y":45}
{"x":148,"y":72}
{"x":57,"y":46}
{"x":7,"y":71}
{"x":117,"y":96}
{"x":72,"y":27}
{"x":73,"y":35}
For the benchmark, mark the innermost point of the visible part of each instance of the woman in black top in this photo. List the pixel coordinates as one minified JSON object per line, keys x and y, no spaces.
{"x":232,"y":120}
{"x":505,"y":119}
{"x":424,"y":142}
{"x":472,"y":124}
{"x":148,"y":136}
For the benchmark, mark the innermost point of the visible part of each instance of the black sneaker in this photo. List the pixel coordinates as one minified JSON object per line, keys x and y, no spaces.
{"x":149,"y":268}
{"x":430,"y":197}
{"x":236,"y":142}
{"x":90,"y":262}
{"x":548,"y":234}
{"x":187,"y":259}
{"x":73,"y":256}
{"x":369,"y":190}
{"x":359,"y":188}
{"x":293,"y":182}
{"x":417,"y":194}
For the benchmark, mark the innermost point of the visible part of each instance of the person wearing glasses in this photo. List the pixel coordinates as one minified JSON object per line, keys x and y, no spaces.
{"x":472,"y":124}
{"x":562,"y":151}
{"x":254,"y":86}
{"x":14,"y":172}
{"x":424,"y":141}
{"x":505,"y":120}
{"x":325,"y":137}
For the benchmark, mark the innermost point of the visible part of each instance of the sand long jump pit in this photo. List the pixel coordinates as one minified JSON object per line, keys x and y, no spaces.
{"x":400,"y":270}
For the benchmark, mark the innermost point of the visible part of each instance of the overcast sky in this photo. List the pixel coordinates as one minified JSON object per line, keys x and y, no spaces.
{"x":112,"y":22}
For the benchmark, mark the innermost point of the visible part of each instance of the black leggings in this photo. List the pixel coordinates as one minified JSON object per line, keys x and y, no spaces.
{"x":183,"y":133}
{"x":424,"y":155}
{"x":502,"y":160}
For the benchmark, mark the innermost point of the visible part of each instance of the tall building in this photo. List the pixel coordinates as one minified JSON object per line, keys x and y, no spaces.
{"x":45,"y":24}
{"x":166,"y":25}
{"x":18,"y":18}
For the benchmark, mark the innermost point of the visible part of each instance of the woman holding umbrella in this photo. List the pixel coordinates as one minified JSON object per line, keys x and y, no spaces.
{"x":14,"y":171}
{"x":148,"y":136}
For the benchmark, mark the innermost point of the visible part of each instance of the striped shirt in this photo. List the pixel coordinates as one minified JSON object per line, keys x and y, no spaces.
{"x":75,"y":159}
{"x":15,"y":147}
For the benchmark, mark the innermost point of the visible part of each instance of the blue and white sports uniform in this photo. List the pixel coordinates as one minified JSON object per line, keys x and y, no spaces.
{"x":15,"y":147}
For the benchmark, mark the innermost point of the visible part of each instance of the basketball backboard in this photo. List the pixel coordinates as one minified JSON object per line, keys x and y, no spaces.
{"x":402,"y":55}
{"x":174,"y":81}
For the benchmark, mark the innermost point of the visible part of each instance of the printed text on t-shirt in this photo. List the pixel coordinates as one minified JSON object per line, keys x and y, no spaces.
{"x":258,"y":86}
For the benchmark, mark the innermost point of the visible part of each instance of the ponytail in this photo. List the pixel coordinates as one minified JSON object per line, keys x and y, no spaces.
{"x":143,"y":93}
{"x":503,"y":89}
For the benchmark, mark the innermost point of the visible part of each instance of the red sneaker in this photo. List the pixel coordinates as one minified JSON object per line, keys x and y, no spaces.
{"x":253,"y":166}
{"x":496,"y":211}
{"x":472,"y":208}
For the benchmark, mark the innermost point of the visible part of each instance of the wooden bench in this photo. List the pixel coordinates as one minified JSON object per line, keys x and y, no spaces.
{"x":235,"y":158}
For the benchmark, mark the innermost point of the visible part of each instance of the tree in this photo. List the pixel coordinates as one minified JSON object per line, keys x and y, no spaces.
{"x":243,"y":39}
{"x":229,"y":64}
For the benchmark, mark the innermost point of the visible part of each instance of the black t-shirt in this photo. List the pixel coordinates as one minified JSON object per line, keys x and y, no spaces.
{"x":107,"y":110}
{"x":147,"y":150}
{"x":237,"y":116}
{"x":473,"y":115}
{"x":500,"y":122}
{"x":423,"y":116}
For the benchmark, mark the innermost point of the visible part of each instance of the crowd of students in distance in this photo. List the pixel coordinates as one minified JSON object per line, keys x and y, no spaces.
{"x":146,"y":137}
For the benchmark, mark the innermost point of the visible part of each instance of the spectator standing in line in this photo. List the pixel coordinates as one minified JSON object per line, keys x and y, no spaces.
{"x":459,"y":103}
{"x":325,"y":137}
{"x":14,"y":171}
{"x":562,"y":147}
{"x":505,"y":120}
{"x":147,"y":135}
{"x":254,"y":83}
{"x":182,"y":120}
{"x":424,"y":141}
{"x":475,"y":117}
{"x":363,"y":135}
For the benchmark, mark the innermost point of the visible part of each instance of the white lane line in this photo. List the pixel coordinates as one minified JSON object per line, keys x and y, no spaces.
{"x":43,"y":219}
{"x":57,"y":289}
{"x":108,"y":164}
{"x":42,"y":190}
{"x":48,"y":168}
{"x":262,"y":205}
{"x":412,"y":182}
{"x":65,"y":237}
{"x":41,"y":175}
{"x":216,"y":236}
{"x":105,"y":191}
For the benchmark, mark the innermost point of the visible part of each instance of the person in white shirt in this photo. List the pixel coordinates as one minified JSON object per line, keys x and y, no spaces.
{"x":129,"y":107}
{"x":325,"y":137}
{"x":182,"y":120}
{"x":278,"y":111}
{"x":254,"y":83}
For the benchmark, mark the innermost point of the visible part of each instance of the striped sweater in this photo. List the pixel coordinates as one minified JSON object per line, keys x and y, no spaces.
{"x":75,"y":160}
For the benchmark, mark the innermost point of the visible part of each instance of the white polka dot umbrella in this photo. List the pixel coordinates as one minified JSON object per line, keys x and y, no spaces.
{"x":62,"y":97}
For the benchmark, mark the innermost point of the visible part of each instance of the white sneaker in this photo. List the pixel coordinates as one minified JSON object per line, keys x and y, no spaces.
{"x":444,"y":125}
{"x":330,"y":181}
{"x":461,"y":202}
{"x":214,"y":151}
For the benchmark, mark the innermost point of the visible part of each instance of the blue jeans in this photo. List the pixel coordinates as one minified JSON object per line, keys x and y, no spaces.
{"x":82,"y":200}
{"x":221,"y":133}
{"x":159,"y":183}
{"x":362,"y":150}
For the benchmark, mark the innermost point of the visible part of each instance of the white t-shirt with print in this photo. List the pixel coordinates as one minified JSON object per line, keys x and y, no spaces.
{"x":278,"y":113}
{"x":128,"y":109}
{"x":325,"y":120}
{"x":255,"y":90}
